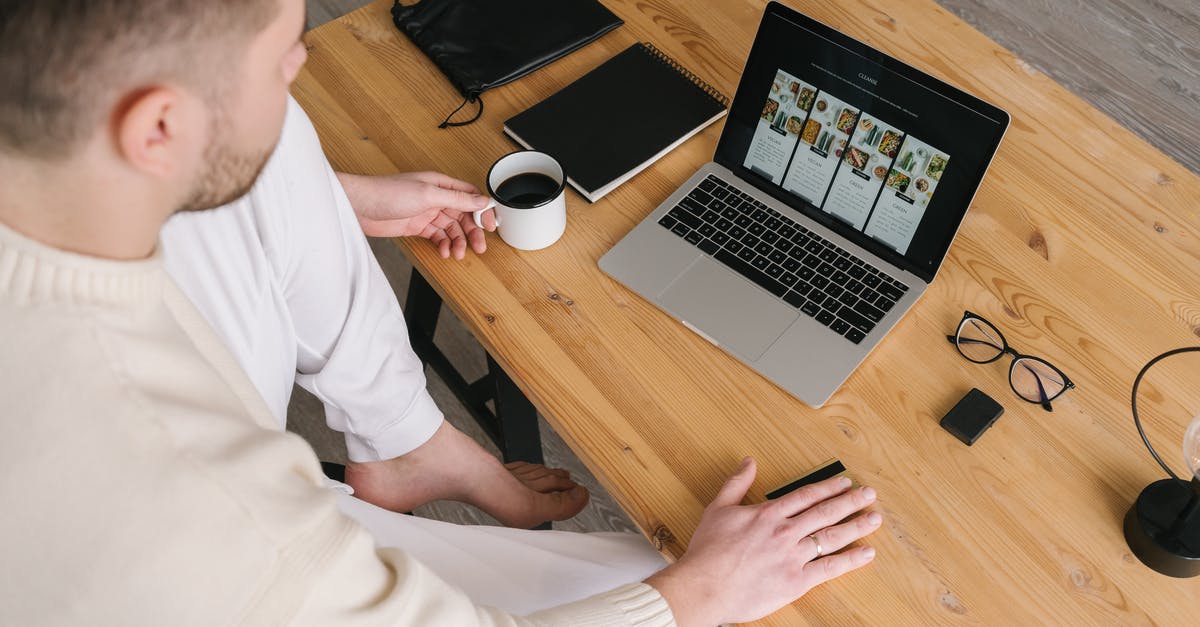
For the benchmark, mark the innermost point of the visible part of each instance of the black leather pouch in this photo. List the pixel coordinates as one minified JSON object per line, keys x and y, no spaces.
{"x":481,"y":44}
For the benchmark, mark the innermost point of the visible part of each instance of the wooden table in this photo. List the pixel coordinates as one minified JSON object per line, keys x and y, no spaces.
{"x":1082,"y":246}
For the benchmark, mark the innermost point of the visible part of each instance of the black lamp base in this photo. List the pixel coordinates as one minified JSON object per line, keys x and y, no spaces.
{"x":1163,"y":528}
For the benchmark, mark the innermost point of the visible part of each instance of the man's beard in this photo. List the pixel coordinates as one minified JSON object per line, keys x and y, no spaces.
{"x":228,"y":175}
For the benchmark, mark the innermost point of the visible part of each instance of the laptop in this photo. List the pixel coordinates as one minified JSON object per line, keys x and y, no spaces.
{"x":837,"y":187}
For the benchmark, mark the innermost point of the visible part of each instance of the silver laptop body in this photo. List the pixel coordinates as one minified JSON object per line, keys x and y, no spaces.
{"x":808,"y":344}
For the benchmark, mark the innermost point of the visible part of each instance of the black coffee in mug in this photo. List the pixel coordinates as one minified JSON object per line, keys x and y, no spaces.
{"x":528,"y":188}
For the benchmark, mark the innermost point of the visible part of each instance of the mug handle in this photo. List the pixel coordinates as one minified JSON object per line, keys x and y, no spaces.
{"x":476,"y":215}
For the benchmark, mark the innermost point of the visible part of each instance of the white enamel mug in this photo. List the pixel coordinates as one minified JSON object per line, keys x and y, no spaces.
{"x":530,"y":225}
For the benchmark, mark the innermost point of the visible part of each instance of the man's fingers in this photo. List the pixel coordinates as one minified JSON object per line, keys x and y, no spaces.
{"x":439,"y":239}
{"x":443,"y":180}
{"x":803,"y":498}
{"x":832,"y":511}
{"x":735,"y":487}
{"x":453,"y":199}
{"x":458,"y":240}
{"x":835,"y":538}
{"x":838,"y":564}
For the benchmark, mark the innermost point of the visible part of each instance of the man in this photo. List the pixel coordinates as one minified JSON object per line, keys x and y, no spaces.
{"x":145,"y":478}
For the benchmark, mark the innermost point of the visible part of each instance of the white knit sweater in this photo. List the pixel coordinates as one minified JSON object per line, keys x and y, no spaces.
{"x":144,"y":482}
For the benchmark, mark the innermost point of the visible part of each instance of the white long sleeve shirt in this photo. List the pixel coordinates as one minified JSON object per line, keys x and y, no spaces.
{"x":293,"y":287}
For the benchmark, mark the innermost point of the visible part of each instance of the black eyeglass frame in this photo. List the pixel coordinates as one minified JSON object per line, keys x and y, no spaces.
{"x":1017,"y":356}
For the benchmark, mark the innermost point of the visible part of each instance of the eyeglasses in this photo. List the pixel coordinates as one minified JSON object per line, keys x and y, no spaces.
{"x":1032,"y":378}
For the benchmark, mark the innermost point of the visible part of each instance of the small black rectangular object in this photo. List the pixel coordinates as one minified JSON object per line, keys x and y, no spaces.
{"x":972,"y":416}
{"x":827,"y":470}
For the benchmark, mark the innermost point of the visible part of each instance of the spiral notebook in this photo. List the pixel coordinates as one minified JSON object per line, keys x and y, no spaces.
{"x":619,"y":118}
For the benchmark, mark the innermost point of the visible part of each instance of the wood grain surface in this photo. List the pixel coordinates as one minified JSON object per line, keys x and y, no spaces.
{"x":1082,"y":246}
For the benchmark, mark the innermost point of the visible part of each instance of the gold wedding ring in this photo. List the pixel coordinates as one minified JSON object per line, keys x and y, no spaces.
{"x":817,"y":542}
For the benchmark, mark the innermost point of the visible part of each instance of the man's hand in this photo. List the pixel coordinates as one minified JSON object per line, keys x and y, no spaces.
{"x":426,"y":204}
{"x":452,"y":466}
{"x":746,"y":561}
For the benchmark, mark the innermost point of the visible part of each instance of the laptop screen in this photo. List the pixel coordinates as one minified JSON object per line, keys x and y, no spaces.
{"x":880,"y":152}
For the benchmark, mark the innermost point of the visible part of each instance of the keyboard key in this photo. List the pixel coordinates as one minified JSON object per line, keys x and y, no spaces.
{"x":791,"y":265}
{"x":802,"y":288}
{"x":770,"y":236}
{"x":680,"y":229}
{"x":891,"y":291}
{"x":872,"y":280}
{"x":711,"y":216}
{"x":885,"y":303}
{"x":783,"y":245}
{"x":800,"y":239}
{"x":825,"y":317}
{"x":814,"y":247}
{"x":736,"y":264}
{"x":760,"y":262}
{"x":777,"y":257}
{"x":729,"y":213}
{"x":737,"y":232}
{"x":763,"y":248}
{"x":820,"y":282}
{"x":668,"y":221}
{"x":831,"y":303}
{"x":869,"y":311}
{"x":693,"y":237}
{"x":856,"y":271}
{"x":828,"y":255}
{"x":709,"y":247}
{"x":825,"y":269}
{"x":756,"y":228}
{"x":720,"y":238}
{"x":707,"y":230}
{"x":773,"y":222}
{"x":750,"y":241}
{"x":733,"y":246}
{"x":787,"y":231}
{"x":811,"y":261}
{"x":775,"y":272}
{"x":848,"y":299}
{"x":856,"y":336}
{"x":724,"y":224}
{"x":855,"y":319}
{"x":842,"y":263}
{"x":811,"y":308}
{"x":795,"y":300}
{"x":806,"y":273}
{"x":721,"y":193}
{"x":855,"y":286}
{"x":834,"y":291}
{"x":840,"y":327}
{"x":686,"y":218}
{"x":840,"y":277}
{"x":708,"y":185}
{"x":746,"y":254}
{"x":701,"y":196}
{"x":789,"y":279}
{"x":743,"y":220}
{"x":692,"y":206}
{"x":759,"y":215}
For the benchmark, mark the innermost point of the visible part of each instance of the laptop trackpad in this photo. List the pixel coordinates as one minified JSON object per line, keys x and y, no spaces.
{"x":731,"y":310}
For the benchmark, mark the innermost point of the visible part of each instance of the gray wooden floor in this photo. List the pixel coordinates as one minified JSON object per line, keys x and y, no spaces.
{"x":1136,"y":60}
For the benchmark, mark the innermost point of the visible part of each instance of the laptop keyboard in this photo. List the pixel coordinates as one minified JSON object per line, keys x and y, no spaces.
{"x":806,"y":271}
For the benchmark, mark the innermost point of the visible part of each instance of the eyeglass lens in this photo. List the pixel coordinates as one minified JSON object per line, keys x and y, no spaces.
{"x":979,"y":341}
{"x":1034,"y":380}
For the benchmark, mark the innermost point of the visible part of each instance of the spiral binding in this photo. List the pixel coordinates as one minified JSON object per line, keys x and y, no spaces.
{"x":696,"y":80}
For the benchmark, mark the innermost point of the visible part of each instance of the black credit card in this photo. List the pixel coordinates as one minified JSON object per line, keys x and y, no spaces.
{"x":827,"y":470}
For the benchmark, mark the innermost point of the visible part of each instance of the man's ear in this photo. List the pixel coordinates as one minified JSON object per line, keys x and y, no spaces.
{"x":149,"y":131}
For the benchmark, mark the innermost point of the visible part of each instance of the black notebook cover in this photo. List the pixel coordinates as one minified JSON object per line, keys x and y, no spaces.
{"x":619,"y":118}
